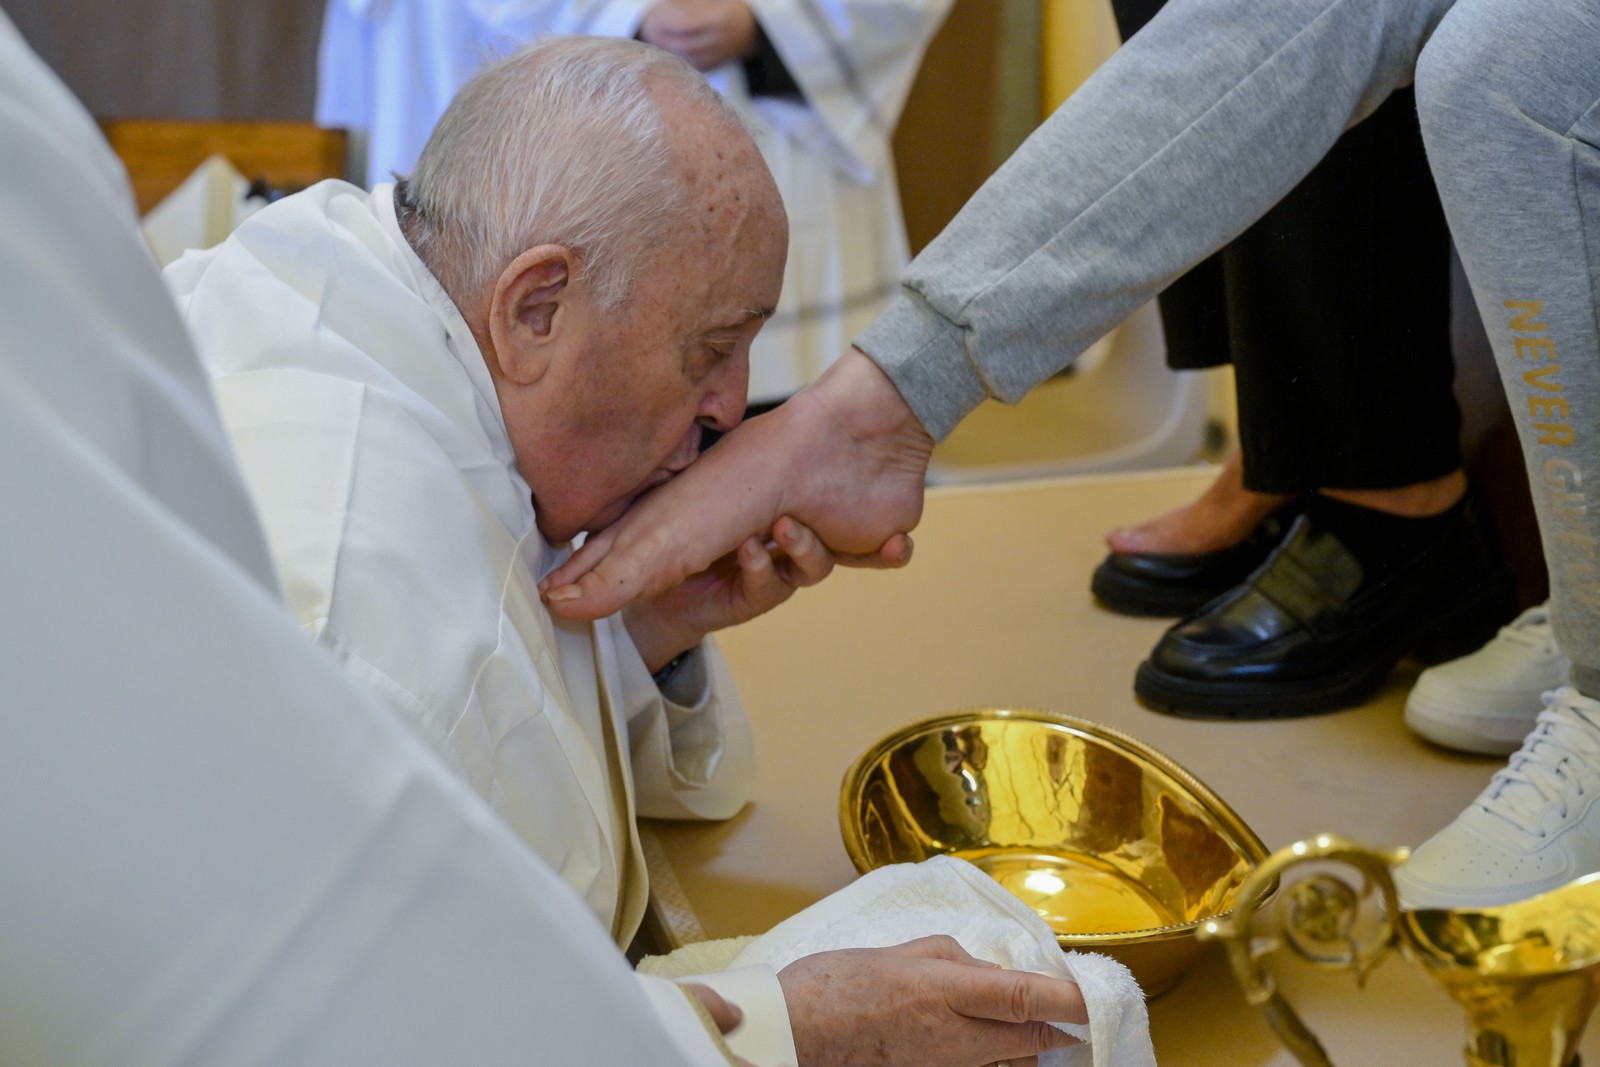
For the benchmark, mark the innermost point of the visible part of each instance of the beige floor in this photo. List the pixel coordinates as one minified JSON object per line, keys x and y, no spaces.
{"x":994,"y":610}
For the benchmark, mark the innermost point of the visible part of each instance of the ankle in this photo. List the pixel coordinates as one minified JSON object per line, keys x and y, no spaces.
{"x":1417,"y":501}
{"x":1381,"y":540}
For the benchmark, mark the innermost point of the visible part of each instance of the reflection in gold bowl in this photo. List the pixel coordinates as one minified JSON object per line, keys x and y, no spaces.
{"x":1121,"y":850}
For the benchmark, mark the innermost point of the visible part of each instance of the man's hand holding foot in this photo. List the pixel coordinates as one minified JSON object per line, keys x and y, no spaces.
{"x":845,"y":456}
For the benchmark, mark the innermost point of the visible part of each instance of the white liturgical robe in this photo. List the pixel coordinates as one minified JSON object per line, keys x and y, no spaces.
{"x":371,"y":436}
{"x":391,"y":67}
{"x":218,"y":849}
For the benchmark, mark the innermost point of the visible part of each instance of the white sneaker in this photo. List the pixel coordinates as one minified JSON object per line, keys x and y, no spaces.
{"x":1488,"y":701}
{"x":1536,"y":827}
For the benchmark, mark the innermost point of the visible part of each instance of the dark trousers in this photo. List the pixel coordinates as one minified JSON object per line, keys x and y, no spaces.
{"x":1334,"y":310}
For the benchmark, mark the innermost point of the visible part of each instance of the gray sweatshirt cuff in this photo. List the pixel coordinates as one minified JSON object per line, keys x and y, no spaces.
{"x":925,"y":356}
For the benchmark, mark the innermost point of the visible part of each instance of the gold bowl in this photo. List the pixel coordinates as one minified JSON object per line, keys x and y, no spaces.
{"x":1118,"y":848}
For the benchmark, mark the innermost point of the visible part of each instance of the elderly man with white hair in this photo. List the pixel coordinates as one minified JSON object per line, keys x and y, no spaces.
{"x":435,"y":386}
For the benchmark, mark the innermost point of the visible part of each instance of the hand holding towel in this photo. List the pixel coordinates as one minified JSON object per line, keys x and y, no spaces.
{"x":946,"y":895}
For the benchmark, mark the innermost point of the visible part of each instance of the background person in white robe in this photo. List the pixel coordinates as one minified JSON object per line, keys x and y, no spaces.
{"x":821,"y":83}
{"x":428,"y":386}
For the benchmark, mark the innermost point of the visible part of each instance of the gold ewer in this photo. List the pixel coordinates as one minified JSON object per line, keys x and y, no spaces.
{"x":1527,"y":973}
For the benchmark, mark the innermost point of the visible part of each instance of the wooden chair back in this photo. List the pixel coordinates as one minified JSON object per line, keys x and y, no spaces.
{"x":160,"y":153}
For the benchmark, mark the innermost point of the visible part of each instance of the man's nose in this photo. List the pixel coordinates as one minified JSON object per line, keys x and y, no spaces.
{"x":723,"y":405}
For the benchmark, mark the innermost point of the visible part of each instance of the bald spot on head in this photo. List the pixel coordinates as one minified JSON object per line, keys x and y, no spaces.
{"x":726,"y":181}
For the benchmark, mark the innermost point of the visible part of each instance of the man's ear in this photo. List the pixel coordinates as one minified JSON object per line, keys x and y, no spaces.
{"x":532,"y":311}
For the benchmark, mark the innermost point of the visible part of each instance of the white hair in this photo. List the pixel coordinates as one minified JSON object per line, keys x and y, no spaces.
{"x":558,"y":143}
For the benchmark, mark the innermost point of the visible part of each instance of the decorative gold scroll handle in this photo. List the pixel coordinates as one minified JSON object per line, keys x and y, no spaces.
{"x":1319,"y":924}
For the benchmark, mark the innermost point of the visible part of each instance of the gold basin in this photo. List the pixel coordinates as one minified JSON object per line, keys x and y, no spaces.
{"x":1118,"y":848}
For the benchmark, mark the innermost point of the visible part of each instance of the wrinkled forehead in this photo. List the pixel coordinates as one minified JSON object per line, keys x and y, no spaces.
{"x":723,"y":252}
{"x":720,"y":169}
{"x":729,"y":209}
{"x":732,"y":216}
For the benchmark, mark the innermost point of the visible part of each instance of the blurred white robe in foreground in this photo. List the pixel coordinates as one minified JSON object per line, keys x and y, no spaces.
{"x":217,"y":848}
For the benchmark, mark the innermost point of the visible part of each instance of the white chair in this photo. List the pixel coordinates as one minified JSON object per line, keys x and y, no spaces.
{"x":1120,"y":408}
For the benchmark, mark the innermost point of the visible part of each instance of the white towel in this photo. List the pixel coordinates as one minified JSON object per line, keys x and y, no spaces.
{"x":945,"y":895}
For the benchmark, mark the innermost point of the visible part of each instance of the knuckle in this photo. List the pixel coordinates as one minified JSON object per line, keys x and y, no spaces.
{"x":1043,"y":1036}
{"x":1021,"y":1001}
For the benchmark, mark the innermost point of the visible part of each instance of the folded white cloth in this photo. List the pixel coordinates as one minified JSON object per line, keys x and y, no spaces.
{"x":945,"y":895}
{"x":697,"y":957}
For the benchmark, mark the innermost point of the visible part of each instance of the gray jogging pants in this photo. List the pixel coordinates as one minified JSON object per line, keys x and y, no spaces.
{"x":1509,"y":96}
{"x":1211,"y":114}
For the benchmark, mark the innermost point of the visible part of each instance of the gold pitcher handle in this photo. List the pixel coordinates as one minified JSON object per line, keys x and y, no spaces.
{"x":1319,"y":926}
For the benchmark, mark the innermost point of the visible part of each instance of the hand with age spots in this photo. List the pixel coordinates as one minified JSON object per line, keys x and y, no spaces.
{"x":926,"y":1003}
{"x":704,"y":33}
{"x":750,"y":581}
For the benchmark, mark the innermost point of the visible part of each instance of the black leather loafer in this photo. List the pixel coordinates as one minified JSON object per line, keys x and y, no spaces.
{"x":1153,"y":583}
{"x":1298,"y":638}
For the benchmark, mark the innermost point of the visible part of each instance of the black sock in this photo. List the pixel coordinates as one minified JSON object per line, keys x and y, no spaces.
{"x":1381,"y":541}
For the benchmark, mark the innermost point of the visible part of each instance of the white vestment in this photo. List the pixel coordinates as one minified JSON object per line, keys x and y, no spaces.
{"x":371,"y":436}
{"x":217,"y":848}
{"x":392,"y":66}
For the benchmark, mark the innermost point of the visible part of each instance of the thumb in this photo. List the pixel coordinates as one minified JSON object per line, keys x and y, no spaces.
{"x":725,"y":1014}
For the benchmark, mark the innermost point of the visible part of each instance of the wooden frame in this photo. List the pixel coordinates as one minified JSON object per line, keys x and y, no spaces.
{"x":160,"y":153}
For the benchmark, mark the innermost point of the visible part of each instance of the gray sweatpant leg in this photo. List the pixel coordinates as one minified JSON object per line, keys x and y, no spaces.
{"x":1509,"y":96}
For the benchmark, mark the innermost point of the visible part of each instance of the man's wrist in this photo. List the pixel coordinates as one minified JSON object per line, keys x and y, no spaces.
{"x":684,"y":680}
{"x":657,"y":634}
{"x":668,"y":671}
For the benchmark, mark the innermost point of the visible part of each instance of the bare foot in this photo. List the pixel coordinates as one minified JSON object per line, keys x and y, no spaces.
{"x":1220,"y":518}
